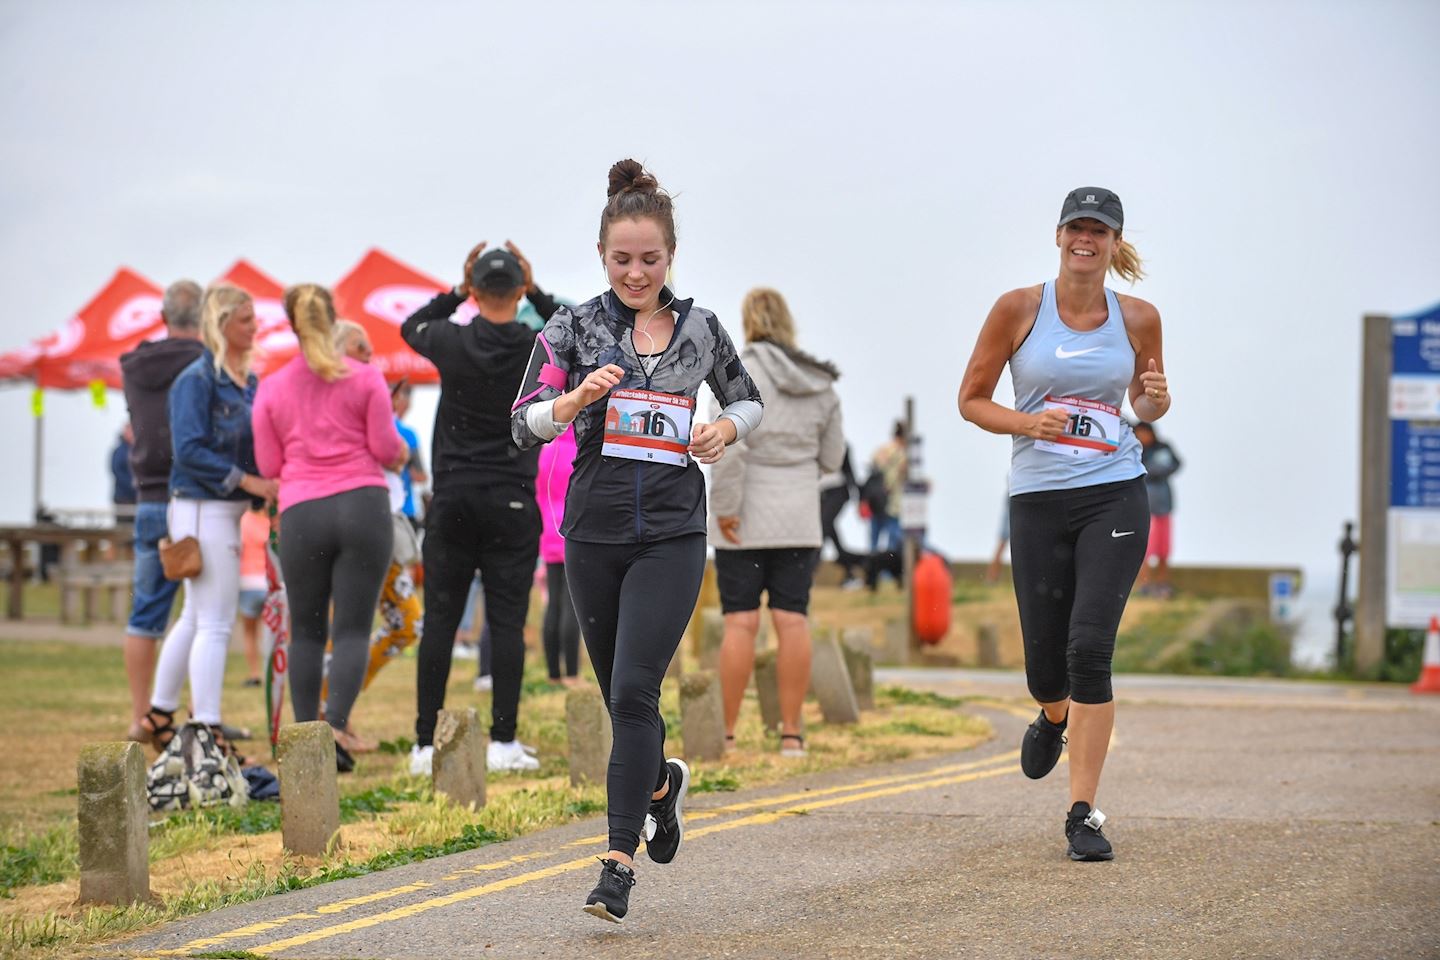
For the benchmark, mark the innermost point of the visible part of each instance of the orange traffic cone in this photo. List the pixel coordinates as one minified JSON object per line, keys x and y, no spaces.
{"x":1429,"y":681}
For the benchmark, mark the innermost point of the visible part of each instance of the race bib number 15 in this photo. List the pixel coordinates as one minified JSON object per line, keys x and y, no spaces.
{"x":650,"y":426}
{"x":1093,"y":429}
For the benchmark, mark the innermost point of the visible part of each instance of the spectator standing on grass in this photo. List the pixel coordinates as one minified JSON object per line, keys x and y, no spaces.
{"x":560,"y":633}
{"x":146,"y":375}
{"x":765,"y":511}
{"x":122,"y":488}
{"x":324,"y":427}
{"x":883,"y":492}
{"x":1161,"y":463}
{"x":212,"y":481}
{"x":254,"y":535}
{"x":483,"y":514}
{"x":836,"y":490}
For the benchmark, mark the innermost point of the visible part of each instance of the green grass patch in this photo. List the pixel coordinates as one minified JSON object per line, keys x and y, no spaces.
{"x":904,"y":696}
{"x":709,"y":781}
{"x":46,"y":857}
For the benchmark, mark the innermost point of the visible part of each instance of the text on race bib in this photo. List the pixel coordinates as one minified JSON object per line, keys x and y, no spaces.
{"x":649,"y":426}
{"x":1093,"y":429}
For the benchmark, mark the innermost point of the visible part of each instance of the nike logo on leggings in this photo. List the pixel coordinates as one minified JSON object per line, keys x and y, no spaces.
{"x":1116,"y":533}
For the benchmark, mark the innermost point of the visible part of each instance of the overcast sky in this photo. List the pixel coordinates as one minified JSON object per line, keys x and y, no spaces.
{"x":891,"y":168}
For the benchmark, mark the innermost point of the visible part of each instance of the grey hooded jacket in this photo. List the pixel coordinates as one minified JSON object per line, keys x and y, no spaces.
{"x":771,"y":479}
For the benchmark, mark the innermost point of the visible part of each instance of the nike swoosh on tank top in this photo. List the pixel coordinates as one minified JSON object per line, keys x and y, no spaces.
{"x":1087,"y":374}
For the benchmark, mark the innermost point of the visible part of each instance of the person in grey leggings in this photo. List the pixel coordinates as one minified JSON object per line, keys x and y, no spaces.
{"x":324,"y":426}
{"x":333,"y":552}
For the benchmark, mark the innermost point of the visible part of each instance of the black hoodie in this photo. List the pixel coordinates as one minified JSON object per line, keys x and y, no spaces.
{"x":481,"y":365}
{"x":146,"y":373}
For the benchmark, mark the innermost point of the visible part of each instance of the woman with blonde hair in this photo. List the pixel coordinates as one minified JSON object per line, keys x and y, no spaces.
{"x":765,"y":511}
{"x":323,"y":427}
{"x":1079,"y":513}
{"x":212,"y":480}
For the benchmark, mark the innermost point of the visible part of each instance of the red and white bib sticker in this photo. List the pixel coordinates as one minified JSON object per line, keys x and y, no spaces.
{"x":1093,"y":429}
{"x":649,"y":426}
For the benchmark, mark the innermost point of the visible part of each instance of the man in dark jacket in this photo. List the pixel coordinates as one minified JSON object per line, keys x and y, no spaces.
{"x":483,"y":515}
{"x":147,"y":372}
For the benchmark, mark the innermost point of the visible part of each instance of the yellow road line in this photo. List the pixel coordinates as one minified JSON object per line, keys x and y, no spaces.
{"x":459,"y":896}
{"x":808,"y":798}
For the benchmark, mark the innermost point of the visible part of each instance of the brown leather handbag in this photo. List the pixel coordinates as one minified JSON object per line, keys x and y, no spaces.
{"x":180,"y":559}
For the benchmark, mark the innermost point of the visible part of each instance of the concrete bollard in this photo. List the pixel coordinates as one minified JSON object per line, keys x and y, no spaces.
{"x":113,"y":824}
{"x":987,"y":642}
{"x":830,"y":681}
{"x":309,"y":794}
{"x":855,"y":643}
{"x":712,"y":635}
{"x":767,"y":689}
{"x":458,"y":768}
{"x":588,"y":724}
{"x":896,"y":651}
{"x":702,"y":716}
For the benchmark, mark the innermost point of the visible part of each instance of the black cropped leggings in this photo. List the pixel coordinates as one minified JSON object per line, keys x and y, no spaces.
{"x":634,"y":601}
{"x":1075,"y":555}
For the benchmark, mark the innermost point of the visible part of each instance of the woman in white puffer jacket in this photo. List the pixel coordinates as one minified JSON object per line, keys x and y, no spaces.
{"x":765,"y":510}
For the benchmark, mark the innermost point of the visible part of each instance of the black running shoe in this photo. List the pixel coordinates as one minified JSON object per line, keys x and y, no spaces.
{"x":669,"y":815}
{"x":1082,"y":828}
{"x":610,"y":900}
{"x":1040,"y":750}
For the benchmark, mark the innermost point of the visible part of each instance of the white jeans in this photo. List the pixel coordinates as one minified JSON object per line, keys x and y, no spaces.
{"x":199,"y":641}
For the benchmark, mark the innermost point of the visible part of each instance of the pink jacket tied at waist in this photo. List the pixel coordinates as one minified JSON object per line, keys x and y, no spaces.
{"x":323,"y":438}
{"x":552,"y":481}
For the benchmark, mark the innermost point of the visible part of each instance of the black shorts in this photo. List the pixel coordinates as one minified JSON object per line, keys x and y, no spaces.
{"x":785,"y":573}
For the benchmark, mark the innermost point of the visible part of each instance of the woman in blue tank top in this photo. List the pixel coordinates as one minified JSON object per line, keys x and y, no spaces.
{"x":1079,"y":515}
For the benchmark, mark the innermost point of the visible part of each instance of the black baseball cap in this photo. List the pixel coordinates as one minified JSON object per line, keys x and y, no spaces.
{"x":1094,"y":203}
{"x":497,"y":270}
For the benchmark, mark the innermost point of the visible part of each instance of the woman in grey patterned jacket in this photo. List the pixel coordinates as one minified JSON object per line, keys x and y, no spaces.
{"x":625,"y":368}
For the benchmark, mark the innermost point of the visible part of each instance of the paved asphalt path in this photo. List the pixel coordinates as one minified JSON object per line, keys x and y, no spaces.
{"x":1250,"y":819}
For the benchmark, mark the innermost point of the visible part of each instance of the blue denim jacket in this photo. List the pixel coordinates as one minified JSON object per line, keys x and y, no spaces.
{"x":210,"y":431}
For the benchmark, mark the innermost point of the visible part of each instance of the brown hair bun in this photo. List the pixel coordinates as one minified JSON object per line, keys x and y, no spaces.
{"x":630,"y":175}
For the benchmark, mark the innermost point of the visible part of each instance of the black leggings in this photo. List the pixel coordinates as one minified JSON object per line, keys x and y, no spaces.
{"x":333,"y":551}
{"x":634,"y":601}
{"x":561,"y":631}
{"x":1074,"y":555}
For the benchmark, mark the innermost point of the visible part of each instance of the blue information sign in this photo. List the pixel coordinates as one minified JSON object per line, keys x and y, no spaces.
{"x":1416,"y":340}
{"x":1414,"y":463}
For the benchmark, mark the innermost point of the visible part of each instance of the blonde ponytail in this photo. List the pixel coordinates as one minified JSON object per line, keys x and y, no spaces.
{"x":312,"y":315}
{"x":1126,"y":264}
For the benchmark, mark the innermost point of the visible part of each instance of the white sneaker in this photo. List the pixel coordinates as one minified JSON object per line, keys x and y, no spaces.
{"x":465,"y":651}
{"x":484,"y":684}
{"x":421,"y":760}
{"x":501,"y":756}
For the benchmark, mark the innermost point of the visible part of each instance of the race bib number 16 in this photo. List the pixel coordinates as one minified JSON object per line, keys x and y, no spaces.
{"x":650,"y":426}
{"x":1093,"y":429}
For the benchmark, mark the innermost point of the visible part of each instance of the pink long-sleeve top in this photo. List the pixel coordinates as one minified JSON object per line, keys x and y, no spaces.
{"x":323,"y":438}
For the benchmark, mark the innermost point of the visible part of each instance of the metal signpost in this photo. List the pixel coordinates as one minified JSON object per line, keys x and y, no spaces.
{"x":1399,"y":480}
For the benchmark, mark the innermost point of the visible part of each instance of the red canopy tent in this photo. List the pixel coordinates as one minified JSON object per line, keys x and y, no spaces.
{"x":87,"y":349}
{"x":85,"y":352}
{"x":379,"y":293}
